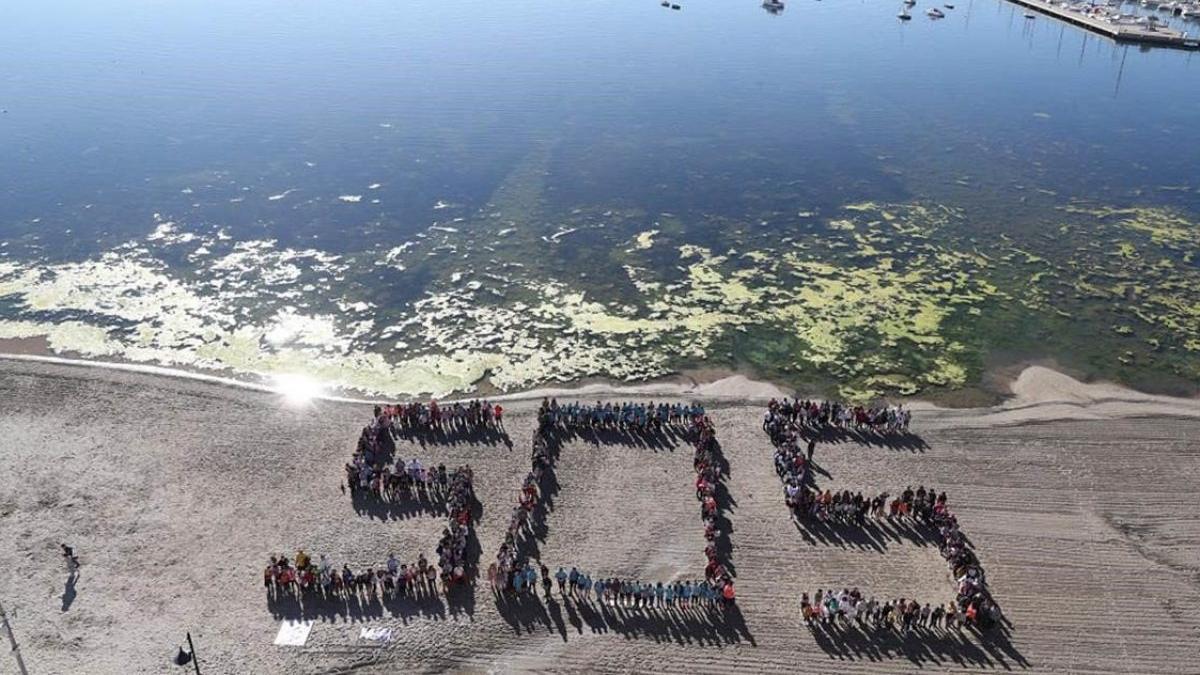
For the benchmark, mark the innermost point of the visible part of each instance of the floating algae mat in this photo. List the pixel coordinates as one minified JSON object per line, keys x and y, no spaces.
{"x":866,"y":300}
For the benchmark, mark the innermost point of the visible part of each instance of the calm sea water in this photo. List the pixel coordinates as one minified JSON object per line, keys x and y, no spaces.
{"x":350,"y":128}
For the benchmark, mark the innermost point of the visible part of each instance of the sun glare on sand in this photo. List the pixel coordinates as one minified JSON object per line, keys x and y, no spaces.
{"x":297,"y":389}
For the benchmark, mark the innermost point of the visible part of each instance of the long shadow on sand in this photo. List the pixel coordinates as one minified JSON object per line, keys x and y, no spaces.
{"x":567,"y":615}
{"x":69,"y":594}
{"x":486,"y":435}
{"x":936,"y":647}
{"x":906,"y":441}
{"x":870,"y":534}
{"x":370,"y":505}
{"x":662,"y":438}
{"x":354,"y":608}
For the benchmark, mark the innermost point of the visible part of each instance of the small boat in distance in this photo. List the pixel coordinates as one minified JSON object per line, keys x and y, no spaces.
{"x":935,"y":13}
{"x":949,"y":5}
{"x":904,"y":15}
{"x":1030,"y":15}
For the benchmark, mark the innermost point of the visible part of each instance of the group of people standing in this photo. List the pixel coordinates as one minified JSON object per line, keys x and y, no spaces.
{"x":304,"y":578}
{"x":972,"y":605}
{"x":404,"y":419}
{"x":630,"y":415}
{"x":304,"y":575}
{"x":710,"y":471}
{"x":850,"y":608}
{"x":368,"y":473}
{"x":634,"y":594}
{"x":817,"y":416}
{"x":510,"y":571}
{"x":921,"y":505}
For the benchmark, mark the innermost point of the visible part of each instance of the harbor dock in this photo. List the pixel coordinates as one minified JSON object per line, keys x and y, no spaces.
{"x":1120,"y":31}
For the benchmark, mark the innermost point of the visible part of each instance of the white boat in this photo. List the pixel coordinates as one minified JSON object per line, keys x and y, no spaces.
{"x":904,"y":15}
{"x":935,"y":13}
{"x":949,"y":5}
{"x":1030,"y":15}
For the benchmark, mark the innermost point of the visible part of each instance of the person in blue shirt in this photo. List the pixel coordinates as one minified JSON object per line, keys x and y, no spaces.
{"x":561,"y":576}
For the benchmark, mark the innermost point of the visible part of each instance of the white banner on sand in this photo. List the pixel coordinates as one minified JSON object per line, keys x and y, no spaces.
{"x":377,"y":634}
{"x":293,"y":633}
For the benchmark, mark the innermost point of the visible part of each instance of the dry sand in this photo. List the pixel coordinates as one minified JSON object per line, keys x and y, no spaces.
{"x":1079,"y":499}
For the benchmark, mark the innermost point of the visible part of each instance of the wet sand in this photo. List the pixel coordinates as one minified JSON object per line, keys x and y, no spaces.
{"x":1078,"y":499}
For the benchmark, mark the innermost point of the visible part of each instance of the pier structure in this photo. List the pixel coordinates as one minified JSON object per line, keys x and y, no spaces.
{"x":1119,"y":31}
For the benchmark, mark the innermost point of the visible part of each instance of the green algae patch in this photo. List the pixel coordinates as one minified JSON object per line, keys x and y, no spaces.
{"x":869,"y":299}
{"x":69,"y":336}
{"x":644,"y":240}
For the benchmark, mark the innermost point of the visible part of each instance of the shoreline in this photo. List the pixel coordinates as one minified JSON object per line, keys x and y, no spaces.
{"x":1035,"y":392}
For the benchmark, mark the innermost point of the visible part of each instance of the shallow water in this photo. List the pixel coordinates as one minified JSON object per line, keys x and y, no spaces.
{"x":425,"y":197}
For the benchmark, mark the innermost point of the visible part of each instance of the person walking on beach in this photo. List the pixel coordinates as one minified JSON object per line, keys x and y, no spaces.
{"x":68,"y":554}
{"x":545,"y":578}
{"x":561,"y":576}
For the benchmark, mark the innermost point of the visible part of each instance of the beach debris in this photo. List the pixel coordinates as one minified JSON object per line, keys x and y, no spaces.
{"x":376,"y":634}
{"x":293,"y":632}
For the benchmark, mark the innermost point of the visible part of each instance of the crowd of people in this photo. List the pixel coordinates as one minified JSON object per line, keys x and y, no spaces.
{"x":634,"y":594}
{"x":510,"y":571}
{"x":404,"y":419}
{"x":850,"y":608}
{"x":304,"y":575}
{"x":513,"y":573}
{"x":706,"y":459}
{"x":368,"y":471}
{"x":634,"y":416}
{"x":817,"y":416}
{"x":920,"y":505}
{"x":924,"y":507}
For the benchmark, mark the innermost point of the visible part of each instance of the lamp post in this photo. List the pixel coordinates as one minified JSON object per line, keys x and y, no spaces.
{"x":183,"y":657}
{"x":192,"y":648}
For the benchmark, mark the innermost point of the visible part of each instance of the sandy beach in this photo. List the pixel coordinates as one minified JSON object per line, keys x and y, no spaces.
{"x":1077,"y":498}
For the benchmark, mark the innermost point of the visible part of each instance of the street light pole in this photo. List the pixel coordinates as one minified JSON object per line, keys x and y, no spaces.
{"x":16,"y":650}
{"x":192,"y":648}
